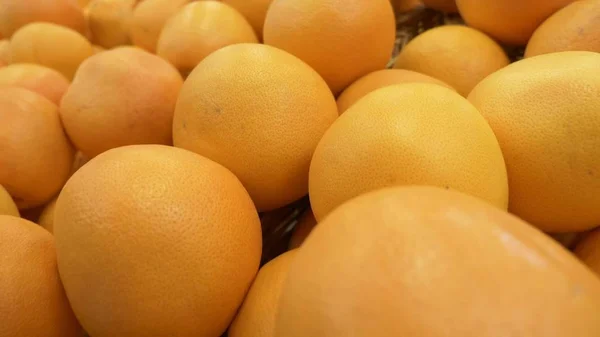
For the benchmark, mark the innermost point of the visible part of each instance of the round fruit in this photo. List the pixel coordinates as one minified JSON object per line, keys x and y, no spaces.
{"x":588,"y":250}
{"x":448,"y":6}
{"x":332,"y":36}
{"x":430,"y":262}
{"x":148,"y":20}
{"x":199,"y":29}
{"x":33,"y":299}
{"x":36,"y":154}
{"x":108,"y":21}
{"x":121,"y":97}
{"x":7,"y":205}
{"x":458,"y":55}
{"x":42,"y":80}
{"x":305,"y":225}
{"x":50,"y":45}
{"x":544,"y":111}
{"x":260,"y":112}
{"x":46,"y":218}
{"x":380,"y":79}
{"x":575,"y":27}
{"x":402,"y":6}
{"x":168,"y":231}
{"x":5,"y":51}
{"x":15,"y":14}
{"x":254,"y":11}
{"x":256,"y":317}
{"x":407,"y":134}
{"x":510,"y":21}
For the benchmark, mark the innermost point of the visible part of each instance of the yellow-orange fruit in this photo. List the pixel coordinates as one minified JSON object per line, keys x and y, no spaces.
{"x":430,"y":262}
{"x":256,"y":317}
{"x":332,"y":35}
{"x":36,"y":154}
{"x":7,"y":205}
{"x":254,"y":11}
{"x":79,"y":161}
{"x":33,"y":299}
{"x":200,"y":28}
{"x":458,"y":55}
{"x":305,"y":225}
{"x":260,"y":112}
{"x":43,"y":80}
{"x":509,"y":21}
{"x":15,"y":14}
{"x":120,"y":97}
{"x":50,"y":45}
{"x":167,"y":231}
{"x":83,"y":3}
{"x":575,"y":27}
{"x":448,"y":6}
{"x":588,"y":250}
{"x":380,"y":79}
{"x":401,"y":6}
{"x":97,"y":49}
{"x":5,"y":51}
{"x":108,"y":21}
{"x":544,"y":111}
{"x":407,"y":134}
{"x":46,"y":218}
{"x":148,"y":20}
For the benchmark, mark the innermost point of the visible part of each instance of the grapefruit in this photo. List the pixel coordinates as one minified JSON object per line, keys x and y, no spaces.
{"x":15,"y":14}
{"x":42,"y":80}
{"x":306,"y":224}
{"x":254,"y":11}
{"x":108,"y":21}
{"x":588,"y":250}
{"x":7,"y":205}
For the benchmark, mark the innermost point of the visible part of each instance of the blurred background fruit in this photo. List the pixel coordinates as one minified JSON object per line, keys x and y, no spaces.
{"x":46,"y":218}
{"x":108,"y":21}
{"x":7,"y":205}
{"x":544,"y":112}
{"x":402,"y":6}
{"x":254,"y":11}
{"x":588,"y":250}
{"x":42,"y":80}
{"x":15,"y":14}
{"x":448,"y":6}
{"x":5,"y":51}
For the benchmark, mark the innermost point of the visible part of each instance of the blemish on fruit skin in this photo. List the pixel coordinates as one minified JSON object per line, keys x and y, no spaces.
{"x":591,"y":173}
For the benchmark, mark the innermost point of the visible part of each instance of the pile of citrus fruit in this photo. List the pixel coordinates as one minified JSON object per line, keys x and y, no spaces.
{"x":454,"y":185}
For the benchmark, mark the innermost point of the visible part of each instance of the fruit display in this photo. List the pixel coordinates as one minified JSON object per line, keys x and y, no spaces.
{"x":296,"y":168}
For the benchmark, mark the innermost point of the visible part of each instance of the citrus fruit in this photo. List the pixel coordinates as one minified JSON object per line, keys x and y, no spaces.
{"x":43,"y":80}
{"x":7,"y":205}
{"x":108,"y":21}
{"x":15,"y":14}
{"x":254,"y":11}
{"x":588,"y":250}
{"x":5,"y":51}
{"x":46,"y":218}
{"x":306,"y":224}
{"x":401,"y":6}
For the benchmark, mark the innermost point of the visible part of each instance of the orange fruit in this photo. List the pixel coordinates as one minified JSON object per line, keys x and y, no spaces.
{"x":46,"y":218}
{"x":200,"y":28}
{"x":332,"y":35}
{"x":588,"y":250}
{"x":544,"y":112}
{"x":401,"y":6}
{"x":575,"y":27}
{"x":33,"y":299}
{"x":5,"y":51}
{"x":50,"y":45}
{"x":431,"y":262}
{"x":36,"y":154}
{"x":148,"y":20}
{"x":254,"y":11}
{"x":448,"y":6}
{"x":260,"y":112}
{"x":97,"y":49}
{"x":167,"y":231}
{"x":108,"y":21}
{"x":458,"y":55}
{"x":380,"y":79}
{"x":83,"y":3}
{"x":256,"y":317}
{"x":407,"y":134}
{"x":7,"y":205}
{"x":509,"y":21}
{"x":44,"y":81}
{"x":15,"y":14}
{"x":120,"y":97}
{"x":306,"y":224}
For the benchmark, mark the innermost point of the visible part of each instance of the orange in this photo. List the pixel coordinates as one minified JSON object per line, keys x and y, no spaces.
{"x":401,"y":6}
{"x":254,"y":11}
{"x":380,"y":79}
{"x":509,"y":21}
{"x":575,"y":27}
{"x":97,"y":49}
{"x":588,"y":250}
{"x":306,"y":224}
{"x":5,"y":51}
{"x":15,"y":14}
{"x":33,"y":299}
{"x":458,"y":55}
{"x":260,"y":112}
{"x":407,"y":134}
{"x":168,"y":231}
{"x":36,"y":154}
{"x":7,"y":205}
{"x":199,"y":29}
{"x":108,"y":21}
{"x":44,"y":81}
{"x":120,"y":97}
{"x":341,"y":39}
{"x":46,"y":218}
{"x":544,"y":111}
{"x":50,"y":45}
{"x":448,"y":6}
{"x":256,"y":317}
{"x":148,"y":20}
{"x":431,"y":262}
